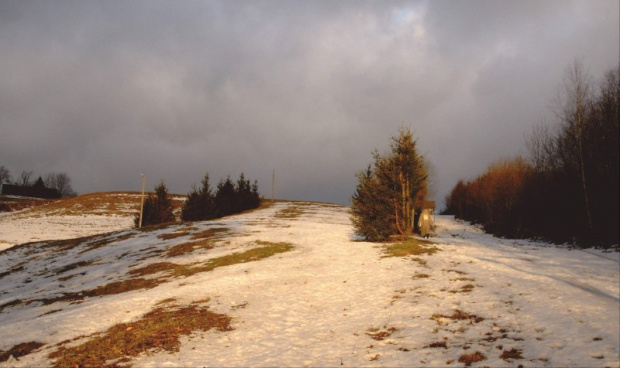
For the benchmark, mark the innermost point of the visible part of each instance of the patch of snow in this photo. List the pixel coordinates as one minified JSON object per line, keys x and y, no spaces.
{"x":23,"y":230}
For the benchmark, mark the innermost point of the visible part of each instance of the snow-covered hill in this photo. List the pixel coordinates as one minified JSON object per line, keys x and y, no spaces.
{"x":88,"y":214}
{"x":290,"y":285}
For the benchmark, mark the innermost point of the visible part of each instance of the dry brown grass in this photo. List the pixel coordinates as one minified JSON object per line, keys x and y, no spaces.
{"x":463,"y":279}
{"x":291,"y":212}
{"x":216,"y":232}
{"x":475,"y":357}
{"x":11,"y":204}
{"x":15,"y":303}
{"x":511,"y":354}
{"x":184,"y":248}
{"x":463,"y":289}
{"x":459,"y":316}
{"x":167,"y":269}
{"x":410,"y":247}
{"x":16,"y":268}
{"x":20,"y":350}
{"x":455,"y":271}
{"x":105,"y":241}
{"x":379,"y":335}
{"x":437,"y":344}
{"x":158,"y":330}
{"x":102,"y":203}
{"x":205,"y":241}
{"x":116,"y":287}
{"x":174,"y":235}
{"x":67,"y":268}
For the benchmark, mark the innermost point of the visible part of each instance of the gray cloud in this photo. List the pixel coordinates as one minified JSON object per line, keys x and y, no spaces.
{"x":107,"y":90}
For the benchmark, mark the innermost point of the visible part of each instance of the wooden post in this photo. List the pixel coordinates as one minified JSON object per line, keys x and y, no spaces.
{"x":142,"y":201}
{"x":273,"y":183}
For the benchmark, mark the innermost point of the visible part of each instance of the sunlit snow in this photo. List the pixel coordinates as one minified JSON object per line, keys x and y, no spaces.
{"x":320,"y":304}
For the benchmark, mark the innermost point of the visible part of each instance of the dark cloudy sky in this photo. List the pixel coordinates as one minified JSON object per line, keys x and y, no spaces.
{"x":106,"y":90}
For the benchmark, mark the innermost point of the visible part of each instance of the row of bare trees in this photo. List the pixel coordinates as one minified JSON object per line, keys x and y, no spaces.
{"x":60,"y":182}
{"x":568,"y":189}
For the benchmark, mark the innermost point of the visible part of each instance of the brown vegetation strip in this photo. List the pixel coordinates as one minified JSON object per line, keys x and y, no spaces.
{"x":171,"y":236}
{"x":14,"y":269}
{"x":410,"y":247}
{"x":438,"y":344}
{"x":511,"y":354}
{"x":168,"y":269}
{"x":106,"y":241}
{"x":211,"y":233}
{"x":116,"y":287}
{"x":15,"y":303}
{"x":381,"y":335}
{"x":292,"y":212}
{"x":421,"y":276}
{"x":173,"y":269}
{"x":20,"y":350}
{"x":66,"y":268}
{"x":158,"y":330}
{"x":459,"y":316}
{"x":184,"y":248}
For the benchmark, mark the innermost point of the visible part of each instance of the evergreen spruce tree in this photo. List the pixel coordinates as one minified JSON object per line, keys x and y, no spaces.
{"x":229,"y":198}
{"x":157,"y":208}
{"x":199,"y":205}
{"x":254,"y":200}
{"x":371,"y":212}
{"x":225,"y":198}
{"x":388,"y":195}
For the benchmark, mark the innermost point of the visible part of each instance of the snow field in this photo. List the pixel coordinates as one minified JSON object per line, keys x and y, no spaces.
{"x":320,"y":304}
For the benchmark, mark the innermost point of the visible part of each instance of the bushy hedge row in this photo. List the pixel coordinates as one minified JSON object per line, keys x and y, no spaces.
{"x":229,"y":198}
{"x":201,"y":204}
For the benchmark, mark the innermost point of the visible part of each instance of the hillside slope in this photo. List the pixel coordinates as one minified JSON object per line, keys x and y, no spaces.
{"x":84,"y":215}
{"x":290,"y":286}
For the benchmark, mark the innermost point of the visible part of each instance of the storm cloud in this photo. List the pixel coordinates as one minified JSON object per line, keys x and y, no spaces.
{"x":106,"y":90}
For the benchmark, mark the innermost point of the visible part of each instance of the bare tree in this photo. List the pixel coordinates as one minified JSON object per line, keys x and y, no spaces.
{"x":574,"y":100}
{"x":61,"y":182}
{"x":5,"y":175}
{"x":541,"y":145}
{"x":63,"y":185}
{"x":50,"y":180}
{"x":24,"y":178}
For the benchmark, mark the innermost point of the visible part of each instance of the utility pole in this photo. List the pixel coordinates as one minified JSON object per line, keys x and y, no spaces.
{"x":142,"y":201}
{"x":273,"y":183}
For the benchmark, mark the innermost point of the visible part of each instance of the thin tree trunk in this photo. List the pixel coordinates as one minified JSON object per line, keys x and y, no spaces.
{"x":582,"y":164}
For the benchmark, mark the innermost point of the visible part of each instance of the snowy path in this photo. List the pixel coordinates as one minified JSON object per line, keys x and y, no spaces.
{"x":514,"y":302}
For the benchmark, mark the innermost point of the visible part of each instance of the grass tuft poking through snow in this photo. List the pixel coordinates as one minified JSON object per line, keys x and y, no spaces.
{"x":410,"y":247}
{"x":176,"y":270}
{"x":469,"y":359}
{"x":158,"y":330}
{"x":291,"y":212}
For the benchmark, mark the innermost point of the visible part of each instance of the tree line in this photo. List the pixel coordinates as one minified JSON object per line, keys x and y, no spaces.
{"x":202,"y":203}
{"x":566,"y":190}
{"x":53,"y":185}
